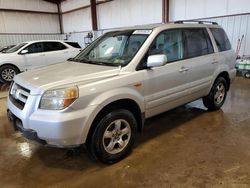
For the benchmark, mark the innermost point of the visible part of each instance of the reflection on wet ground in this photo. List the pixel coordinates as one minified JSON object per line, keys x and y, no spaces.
{"x":3,"y":90}
{"x":4,"y":87}
{"x":185,"y":147}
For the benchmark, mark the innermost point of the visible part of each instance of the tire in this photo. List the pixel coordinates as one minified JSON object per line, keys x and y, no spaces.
{"x":216,"y":98}
{"x":7,"y":73}
{"x":247,"y":75}
{"x":108,"y":144}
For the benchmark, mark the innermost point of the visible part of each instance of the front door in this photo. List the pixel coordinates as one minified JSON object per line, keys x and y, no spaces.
{"x":35,"y":56}
{"x":166,"y":86}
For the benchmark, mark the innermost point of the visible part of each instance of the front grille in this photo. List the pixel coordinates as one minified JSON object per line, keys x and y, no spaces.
{"x":18,"y":95}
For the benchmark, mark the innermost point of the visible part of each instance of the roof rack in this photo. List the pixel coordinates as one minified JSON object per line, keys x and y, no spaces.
{"x":195,"y":21}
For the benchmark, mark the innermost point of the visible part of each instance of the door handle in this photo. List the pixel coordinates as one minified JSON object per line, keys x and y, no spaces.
{"x":215,"y":62}
{"x":42,"y":55}
{"x":183,"y":69}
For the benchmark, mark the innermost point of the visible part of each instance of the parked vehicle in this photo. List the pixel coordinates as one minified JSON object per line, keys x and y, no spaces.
{"x":34,"y":54}
{"x":102,"y":96}
{"x":5,"y":48}
{"x":243,"y":66}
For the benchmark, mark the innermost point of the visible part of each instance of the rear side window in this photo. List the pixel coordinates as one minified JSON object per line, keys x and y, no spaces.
{"x":53,"y":46}
{"x":73,"y":44}
{"x":196,"y":42}
{"x":221,"y":39}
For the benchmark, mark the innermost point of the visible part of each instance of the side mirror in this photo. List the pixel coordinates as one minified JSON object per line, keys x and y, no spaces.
{"x":156,"y":60}
{"x":24,"y":52}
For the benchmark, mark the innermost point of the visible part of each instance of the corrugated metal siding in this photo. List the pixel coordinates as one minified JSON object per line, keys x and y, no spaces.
{"x":38,"y":5}
{"x":77,"y":21}
{"x":236,"y":27}
{"x":73,"y":4}
{"x":11,"y":39}
{"x":20,"y":22}
{"x":121,"y":13}
{"x":195,"y":9}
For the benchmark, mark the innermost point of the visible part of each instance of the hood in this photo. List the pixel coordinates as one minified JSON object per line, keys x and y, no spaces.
{"x":69,"y":73}
{"x":4,"y":56}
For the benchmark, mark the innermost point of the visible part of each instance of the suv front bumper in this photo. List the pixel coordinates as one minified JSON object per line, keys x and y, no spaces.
{"x":27,"y":133}
{"x":53,"y":128}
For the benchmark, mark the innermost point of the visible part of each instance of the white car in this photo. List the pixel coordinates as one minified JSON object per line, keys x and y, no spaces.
{"x":32,"y":55}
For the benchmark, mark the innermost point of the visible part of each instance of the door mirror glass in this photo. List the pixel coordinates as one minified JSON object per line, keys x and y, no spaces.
{"x":24,"y":52}
{"x":156,"y":60}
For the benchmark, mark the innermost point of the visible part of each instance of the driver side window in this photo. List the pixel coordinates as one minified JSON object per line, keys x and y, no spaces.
{"x":169,"y":43}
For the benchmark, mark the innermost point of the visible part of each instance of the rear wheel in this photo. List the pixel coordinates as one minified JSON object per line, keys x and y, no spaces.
{"x":247,"y":75}
{"x":216,"y":98}
{"x":114,"y":136}
{"x":7,"y":73}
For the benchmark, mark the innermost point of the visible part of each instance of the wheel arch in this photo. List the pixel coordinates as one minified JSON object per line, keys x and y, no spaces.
{"x":225,"y":75}
{"x":10,"y":64}
{"x":125,"y":103}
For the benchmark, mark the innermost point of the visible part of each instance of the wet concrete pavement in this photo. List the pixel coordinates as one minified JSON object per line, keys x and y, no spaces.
{"x":185,"y":147}
{"x":4,"y":90}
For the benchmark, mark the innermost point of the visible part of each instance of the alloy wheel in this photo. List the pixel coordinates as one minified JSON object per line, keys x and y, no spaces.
{"x":116,"y":136}
{"x":219,"y":94}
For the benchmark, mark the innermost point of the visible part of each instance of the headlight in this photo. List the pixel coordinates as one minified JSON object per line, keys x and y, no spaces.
{"x":59,"y":99}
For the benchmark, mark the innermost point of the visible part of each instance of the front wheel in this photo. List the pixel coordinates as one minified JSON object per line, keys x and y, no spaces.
{"x":114,"y":136}
{"x":216,"y":98}
{"x":7,"y":73}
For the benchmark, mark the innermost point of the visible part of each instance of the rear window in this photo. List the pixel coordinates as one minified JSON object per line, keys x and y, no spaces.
{"x":221,"y":39}
{"x":73,"y":44}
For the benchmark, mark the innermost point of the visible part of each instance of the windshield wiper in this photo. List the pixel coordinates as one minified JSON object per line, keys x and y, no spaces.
{"x":88,"y":61}
{"x":74,"y":60}
{"x":98,"y":63}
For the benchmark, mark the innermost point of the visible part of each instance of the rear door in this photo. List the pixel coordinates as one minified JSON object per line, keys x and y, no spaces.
{"x":35,"y":57}
{"x":55,"y":52}
{"x":200,"y":61}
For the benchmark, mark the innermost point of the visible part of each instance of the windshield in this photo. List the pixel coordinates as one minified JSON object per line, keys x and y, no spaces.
{"x":15,"y":48}
{"x":113,"y":49}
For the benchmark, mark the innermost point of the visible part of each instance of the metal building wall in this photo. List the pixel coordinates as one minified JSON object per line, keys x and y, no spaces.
{"x":77,"y":21}
{"x":20,"y":26}
{"x":37,"y":5}
{"x":73,"y":4}
{"x":113,"y":14}
{"x":19,"y":22}
{"x":110,"y":15}
{"x":121,"y":13}
{"x":12,"y":39}
{"x":79,"y":36}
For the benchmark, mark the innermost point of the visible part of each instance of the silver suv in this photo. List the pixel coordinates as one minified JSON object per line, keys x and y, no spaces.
{"x":102,"y":96}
